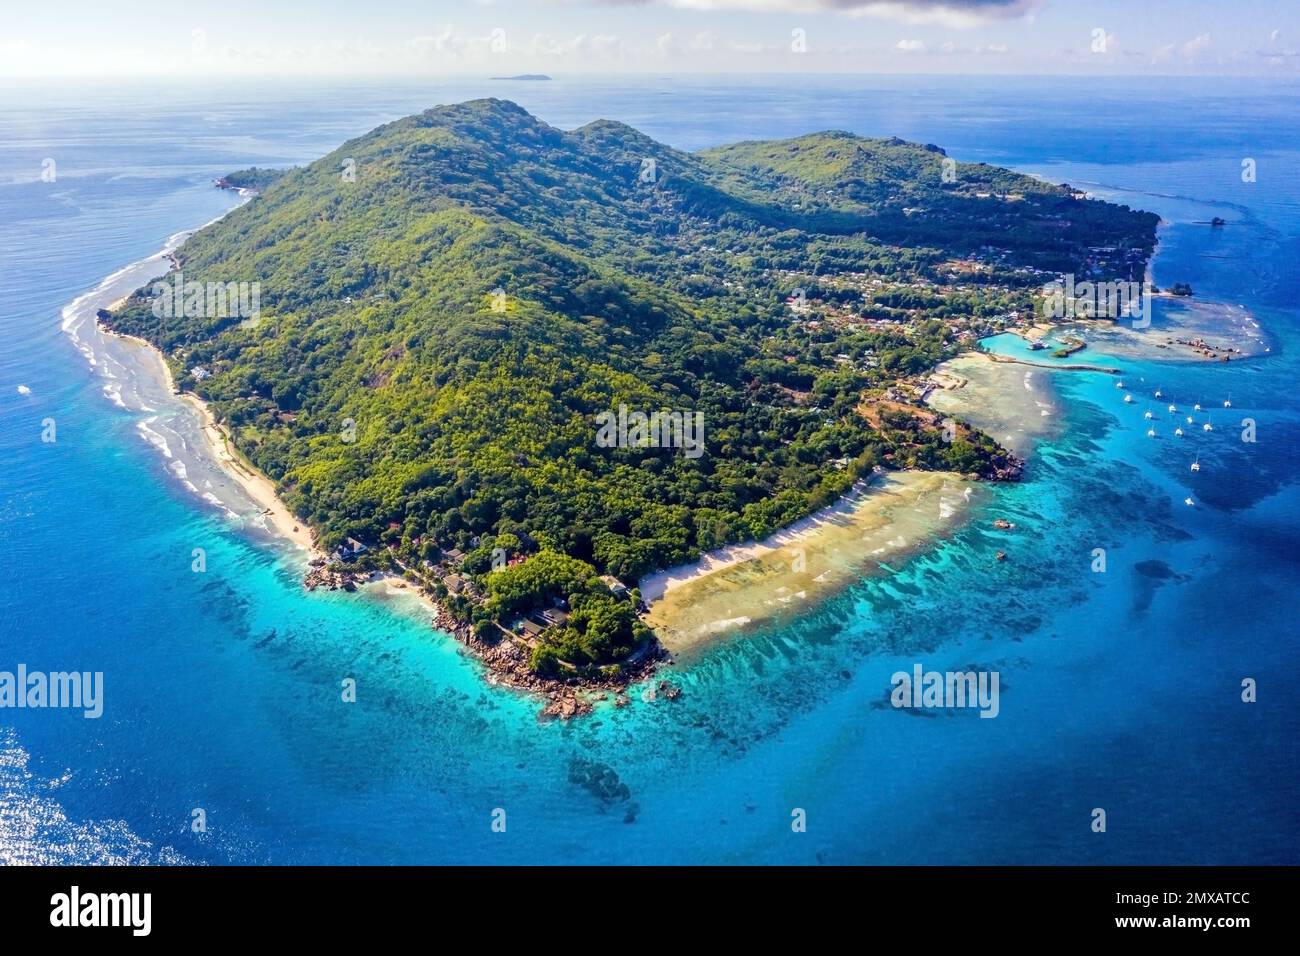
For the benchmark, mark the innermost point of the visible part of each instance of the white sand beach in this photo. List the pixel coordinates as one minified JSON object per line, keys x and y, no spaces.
{"x":728,"y":589}
{"x":257,"y":485}
{"x":181,"y":427}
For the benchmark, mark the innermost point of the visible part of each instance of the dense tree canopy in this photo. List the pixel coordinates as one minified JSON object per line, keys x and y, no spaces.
{"x":448,"y":302}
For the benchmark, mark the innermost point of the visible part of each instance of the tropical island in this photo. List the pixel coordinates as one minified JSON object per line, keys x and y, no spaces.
{"x":450,"y":303}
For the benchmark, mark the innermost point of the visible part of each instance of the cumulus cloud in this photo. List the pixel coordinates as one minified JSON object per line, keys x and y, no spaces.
{"x":1196,"y":46}
{"x":1189,"y":51}
{"x":1275,"y":54}
{"x":446,"y":43}
{"x":454,"y":46}
{"x":951,"y":48}
{"x":597,"y":46}
{"x":704,"y":42}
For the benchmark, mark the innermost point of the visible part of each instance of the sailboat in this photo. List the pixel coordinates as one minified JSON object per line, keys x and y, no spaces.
{"x":1196,"y":407}
{"x":1172,"y":408}
{"x":1159,"y":394}
{"x":1188,"y":501}
{"x":1151,"y":433}
{"x":1196,"y":465}
{"x":1178,"y":431}
{"x":1119,"y":384}
{"x":1227,"y":402}
{"x":1128,"y":399}
{"x":1208,"y":427}
{"x":1148,"y":416}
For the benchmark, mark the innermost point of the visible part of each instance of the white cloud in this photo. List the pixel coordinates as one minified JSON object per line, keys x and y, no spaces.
{"x":703,"y":42}
{"x":1196,"y":46}
{"x":950,"y":48}
{"x":599,"y":46}
{"x":447,"y":42}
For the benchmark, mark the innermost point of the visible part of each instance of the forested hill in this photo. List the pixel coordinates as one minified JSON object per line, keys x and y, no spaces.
{"x":449,"y":301}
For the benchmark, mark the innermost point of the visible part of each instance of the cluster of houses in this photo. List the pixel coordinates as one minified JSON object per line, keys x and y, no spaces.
{"x":844,"y":315}
{"x":1113,"y":260}
{"x":527,"y":627}
{"x":448,"y":572}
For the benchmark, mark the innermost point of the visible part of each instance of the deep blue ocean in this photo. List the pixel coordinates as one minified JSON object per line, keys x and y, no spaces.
{"x":1120,"y":690}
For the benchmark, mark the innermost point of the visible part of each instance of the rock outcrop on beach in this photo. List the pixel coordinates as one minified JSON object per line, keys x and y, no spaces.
{"x":507,"y":662}
{"x":331,"y":576}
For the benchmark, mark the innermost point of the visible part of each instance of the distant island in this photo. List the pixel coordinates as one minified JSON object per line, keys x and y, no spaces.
{"x":456,"y":340}
{"x":524,"y":76}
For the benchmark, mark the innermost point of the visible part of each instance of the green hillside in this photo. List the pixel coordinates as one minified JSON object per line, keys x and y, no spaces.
{"x":657,"y":287}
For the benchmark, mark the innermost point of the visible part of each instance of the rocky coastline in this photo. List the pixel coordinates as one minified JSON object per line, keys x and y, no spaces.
{"x":507,"y":661}
{"x":507,"y":658}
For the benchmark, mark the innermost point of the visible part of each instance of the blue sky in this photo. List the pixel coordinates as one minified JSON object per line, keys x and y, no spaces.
{"x":200,"y":38}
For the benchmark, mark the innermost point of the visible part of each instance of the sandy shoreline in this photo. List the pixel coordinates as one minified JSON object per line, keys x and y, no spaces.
{"x":1010,"y":396}
{"x":256,"y":485}
{"x":727,"y":590}
{"x":655,"y":586}
{"x":152,"y":383}
{"x":259,"y":487}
